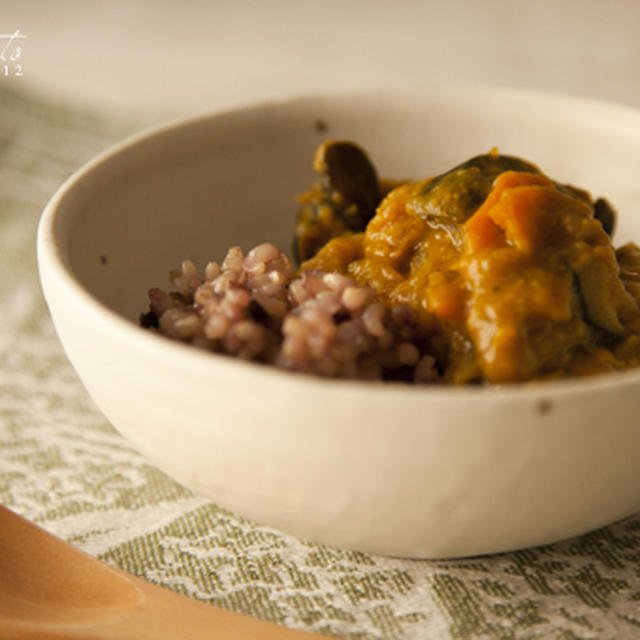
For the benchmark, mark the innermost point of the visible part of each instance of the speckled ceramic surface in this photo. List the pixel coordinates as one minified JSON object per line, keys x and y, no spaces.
{"x":389,"y":469}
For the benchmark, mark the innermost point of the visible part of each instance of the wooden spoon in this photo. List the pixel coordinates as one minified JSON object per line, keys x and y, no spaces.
{"x":49,"y":589}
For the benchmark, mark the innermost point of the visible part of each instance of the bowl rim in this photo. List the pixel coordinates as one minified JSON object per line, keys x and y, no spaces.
{"x":53,"y":263}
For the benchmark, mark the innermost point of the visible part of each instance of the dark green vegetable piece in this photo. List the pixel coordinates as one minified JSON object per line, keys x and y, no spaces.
{"x":452,"y":197}
{"x":345,"y":198}
{"x":350,"y":174}
{"x":604,"y":212}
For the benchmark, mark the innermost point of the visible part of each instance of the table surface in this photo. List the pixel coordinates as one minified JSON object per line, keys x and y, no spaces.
{"x":92,"y":73}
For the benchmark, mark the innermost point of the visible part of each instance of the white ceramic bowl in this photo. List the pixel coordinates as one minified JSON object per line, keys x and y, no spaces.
{"x":423,"y":472}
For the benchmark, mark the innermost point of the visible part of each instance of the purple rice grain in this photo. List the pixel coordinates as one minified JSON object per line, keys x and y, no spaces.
{"x":251,"y":307}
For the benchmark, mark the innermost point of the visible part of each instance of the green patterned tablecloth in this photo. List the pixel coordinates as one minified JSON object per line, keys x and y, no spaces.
{"x":63,"y":466}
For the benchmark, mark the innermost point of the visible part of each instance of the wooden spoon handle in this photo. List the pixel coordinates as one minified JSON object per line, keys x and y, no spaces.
{"x":50,"y":590}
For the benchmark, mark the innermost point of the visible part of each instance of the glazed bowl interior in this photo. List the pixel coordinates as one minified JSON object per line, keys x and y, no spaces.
{"x":426,"y":472}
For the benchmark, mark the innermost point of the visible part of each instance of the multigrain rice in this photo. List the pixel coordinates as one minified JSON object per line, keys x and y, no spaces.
{"x":252,"y":307}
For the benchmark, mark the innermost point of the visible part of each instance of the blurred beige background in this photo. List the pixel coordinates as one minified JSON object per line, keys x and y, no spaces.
{"x":165,"y":58}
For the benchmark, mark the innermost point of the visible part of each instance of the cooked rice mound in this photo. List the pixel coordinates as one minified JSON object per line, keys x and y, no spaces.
{"x":252,"y":307}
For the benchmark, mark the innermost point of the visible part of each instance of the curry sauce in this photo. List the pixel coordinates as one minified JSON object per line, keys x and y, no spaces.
{"x":513,"y":276}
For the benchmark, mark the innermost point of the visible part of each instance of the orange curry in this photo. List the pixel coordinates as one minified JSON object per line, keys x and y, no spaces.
{"x":513,"y":275}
